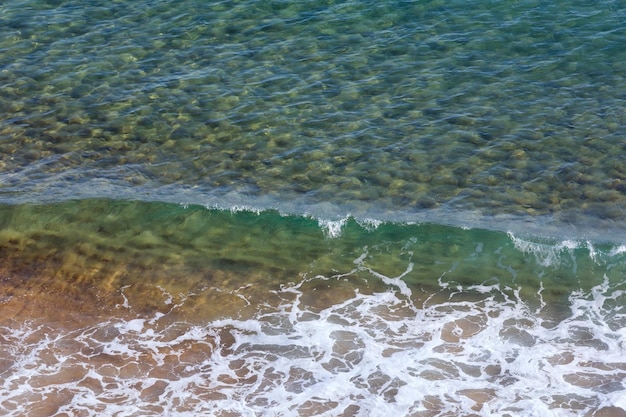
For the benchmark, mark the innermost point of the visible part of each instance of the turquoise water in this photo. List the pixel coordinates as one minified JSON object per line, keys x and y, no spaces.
{"x":312,"y":208}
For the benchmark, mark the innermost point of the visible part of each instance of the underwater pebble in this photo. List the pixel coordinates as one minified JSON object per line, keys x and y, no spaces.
{"x":379,"y":108}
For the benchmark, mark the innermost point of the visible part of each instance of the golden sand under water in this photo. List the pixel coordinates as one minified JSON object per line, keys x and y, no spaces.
{"x":92,"y":320}
{"x":67,"y":295}
{"x":64,"y":292}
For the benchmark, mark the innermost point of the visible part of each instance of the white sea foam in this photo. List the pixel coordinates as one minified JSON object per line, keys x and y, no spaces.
{"x":481,"y":352}
{"x":618,"y":250}
{"x":546,"y":254}
{"x":369,"y":223}
{"x":332,"y":228}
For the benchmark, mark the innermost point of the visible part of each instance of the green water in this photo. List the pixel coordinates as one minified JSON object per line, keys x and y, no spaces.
{"x":101,"y":248}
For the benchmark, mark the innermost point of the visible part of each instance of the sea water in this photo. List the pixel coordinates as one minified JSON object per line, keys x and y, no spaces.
{"x":274,"y":208}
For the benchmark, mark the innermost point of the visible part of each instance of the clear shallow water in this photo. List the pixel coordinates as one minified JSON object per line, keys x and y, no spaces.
{"x":274,"y":208}
{"x":398,"y":109}
{"x":370,"y":355}
{"x":135,"y":308}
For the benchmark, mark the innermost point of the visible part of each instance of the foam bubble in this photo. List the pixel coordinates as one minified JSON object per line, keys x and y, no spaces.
{"x":135,"y":325}
{"x":369,"y":223}
{"x":618,"y":250}
{"x":547,"y":253}
{"x":332,"y":228}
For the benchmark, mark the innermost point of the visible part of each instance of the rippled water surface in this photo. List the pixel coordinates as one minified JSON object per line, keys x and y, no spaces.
{"x":260,"y":208}
{"x":393,"y":109}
